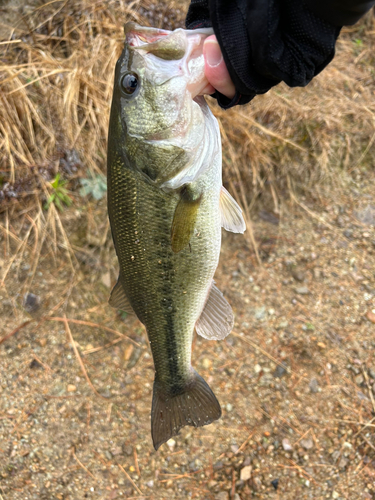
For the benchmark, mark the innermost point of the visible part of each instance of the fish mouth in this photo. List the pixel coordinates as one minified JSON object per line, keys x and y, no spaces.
{"x":167,"y":45}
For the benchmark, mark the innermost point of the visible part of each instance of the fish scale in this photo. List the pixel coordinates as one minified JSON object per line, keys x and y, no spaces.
{"x":165,"y":210}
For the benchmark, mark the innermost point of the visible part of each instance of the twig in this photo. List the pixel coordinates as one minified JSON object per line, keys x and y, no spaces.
{"x":245,"y":442}
{"x":16,"y":330}
{"x":83,"y":467}
{"x":69,"y":334}
{"x":95,"y":325}
{"x":130,"y":479}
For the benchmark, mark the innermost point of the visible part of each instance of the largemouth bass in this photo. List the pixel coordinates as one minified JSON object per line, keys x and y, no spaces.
{"x":166,"y":206}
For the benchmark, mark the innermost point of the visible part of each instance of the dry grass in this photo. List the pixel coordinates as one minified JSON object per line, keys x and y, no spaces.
{"x":55,"y":92}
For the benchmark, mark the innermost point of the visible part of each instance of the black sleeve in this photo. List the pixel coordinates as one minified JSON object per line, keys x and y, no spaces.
{"x":265,"y":42}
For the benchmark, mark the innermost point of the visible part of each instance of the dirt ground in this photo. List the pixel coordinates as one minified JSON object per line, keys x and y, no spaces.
{"x":295,"y":379}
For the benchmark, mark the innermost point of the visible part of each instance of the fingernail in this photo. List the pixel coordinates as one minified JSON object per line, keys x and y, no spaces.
{"x":212,"y":53}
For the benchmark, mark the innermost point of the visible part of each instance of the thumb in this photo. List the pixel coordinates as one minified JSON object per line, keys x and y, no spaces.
{"x":215,"y":68}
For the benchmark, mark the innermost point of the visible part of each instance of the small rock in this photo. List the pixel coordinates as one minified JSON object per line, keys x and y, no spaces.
{"x":256,"y":289}
{"x":366,"y":216}
{"x":256,"y":483}
{"x":31,"y":302}
{"x":43,"y":342}
{"x":150,"y":484}
{"x":106,"y":280}
{"x":298,"y":274}
{"x":314,"y":386}
{"x":359,"y":379}
{"x":335,"y":494}
{"x":286,"y":444}
{"x":127,"y":449}
{"x":234,"y":448}
{"x":307,"y":443}
{"x":275,"y":483}
{"x":280,"y":371}
{"x":245,"y":473}
{"x":317,"y":273}
{"x":71,"y":388}
{"x":370,"y":315}
{"x":343,"y":462}
{"x":35,"y":364}
{"x":171,"y":444}
{"x":260,"y":313}
{"x":236,"y":497}
{"x":302,"y":290}
{"x":206,"y":363}
{"x":229,"y":407}
{"x":223,"y":495}
{"x":257,"y":368}
{"x":282,"y":325}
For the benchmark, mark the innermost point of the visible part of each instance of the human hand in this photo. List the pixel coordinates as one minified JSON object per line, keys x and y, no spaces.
{"x":216,"y":70}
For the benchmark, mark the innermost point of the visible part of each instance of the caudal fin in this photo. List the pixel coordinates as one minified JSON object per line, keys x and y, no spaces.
{"x":196,"y":406}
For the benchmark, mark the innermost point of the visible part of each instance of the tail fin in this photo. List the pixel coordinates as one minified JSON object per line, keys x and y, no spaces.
{"x":196,"y":406}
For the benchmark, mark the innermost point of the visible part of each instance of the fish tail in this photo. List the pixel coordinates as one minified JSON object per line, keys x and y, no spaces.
{"x":195,"y":405}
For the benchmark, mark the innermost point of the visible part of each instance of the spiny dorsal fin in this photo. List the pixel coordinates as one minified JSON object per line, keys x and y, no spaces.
{"x":184,"y":220}
{"x":118,"y":299}
{"x":216,"y":320}
{"x":195,"y":404}
{"x":231,"y":213}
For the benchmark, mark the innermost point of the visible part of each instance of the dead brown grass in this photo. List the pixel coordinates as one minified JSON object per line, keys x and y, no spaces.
{"x":55,"y":92}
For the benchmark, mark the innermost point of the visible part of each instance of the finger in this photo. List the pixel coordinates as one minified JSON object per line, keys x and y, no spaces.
{"x":215,"y":68}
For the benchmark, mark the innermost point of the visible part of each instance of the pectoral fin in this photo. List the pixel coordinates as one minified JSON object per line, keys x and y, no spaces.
{"x":231,"y":213}
{"x":184,"y":220}
{"x":216,"y":320}
{"x":118,"y":299}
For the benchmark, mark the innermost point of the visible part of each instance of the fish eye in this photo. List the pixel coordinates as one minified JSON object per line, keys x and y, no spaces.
{"x":129,"y":83}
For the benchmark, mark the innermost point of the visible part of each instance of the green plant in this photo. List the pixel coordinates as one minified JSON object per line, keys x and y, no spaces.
{"x":59,"y":195}
{"x":96,"y":186}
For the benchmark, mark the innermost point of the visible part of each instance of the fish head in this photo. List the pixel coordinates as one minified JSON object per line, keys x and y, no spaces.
{"x":157,"y":77}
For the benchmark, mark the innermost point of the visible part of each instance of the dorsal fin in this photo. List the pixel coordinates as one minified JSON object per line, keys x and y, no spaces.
{"x":118,"y":299}
{"x":216,"y":320}
{"x":231,"y":213}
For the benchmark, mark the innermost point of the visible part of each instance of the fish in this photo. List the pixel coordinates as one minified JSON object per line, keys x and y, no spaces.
{"x":166,"y":207}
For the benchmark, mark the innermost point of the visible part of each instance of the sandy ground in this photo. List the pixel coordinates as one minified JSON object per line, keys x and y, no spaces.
{"x":296,"y":378}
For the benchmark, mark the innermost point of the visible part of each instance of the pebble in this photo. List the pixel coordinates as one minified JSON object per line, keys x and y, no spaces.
{"x":171,"y":444}
{"x":260,"y":313}
{"x":257,"y":368}
{"x":229,"y":407}
{"x":298,"y":275}
{"x":343,"y":462}
{"x":307,"y":443}
{"x":359,"y":379}
{"x":370,"y":315}
{"x":150,"y":484}
{"x":71,"y":388}
{"x":314,"y":386}
{"x":223,"y":495}
{"x":302,"y":290}
{"x":31,"y":302}
{"x":282,"y":325}
{"x":275,"y":483}
{"x":286,"y":445}
{"x":206,"y":363}
{"x":245,"y":473}
{"x":335,"y":494}
{"x":256,"y":289}
{"x":280,"y":371}
{"x":106,"y":280}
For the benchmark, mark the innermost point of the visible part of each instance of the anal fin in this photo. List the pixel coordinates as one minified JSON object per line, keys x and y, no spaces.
{"x":216,"y":320}
{"x":118,"y":299}
{"x":231,"y":213}
{"x":195,"y":405}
